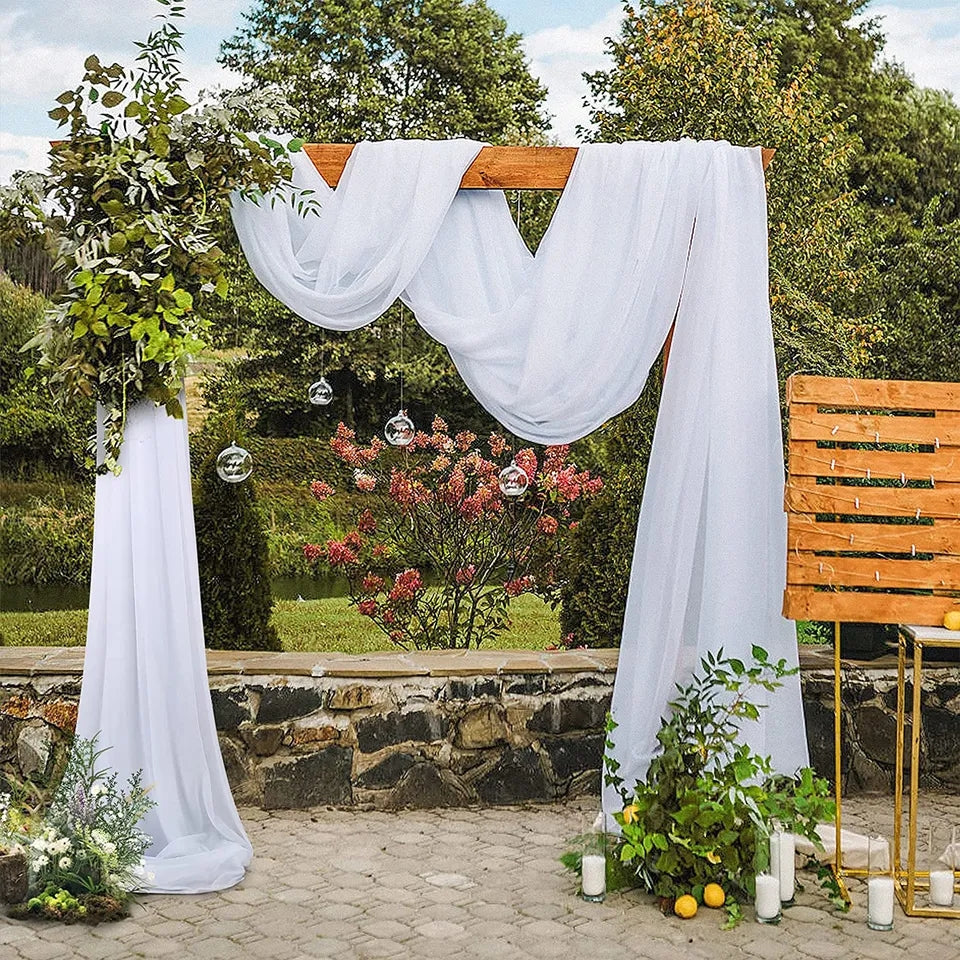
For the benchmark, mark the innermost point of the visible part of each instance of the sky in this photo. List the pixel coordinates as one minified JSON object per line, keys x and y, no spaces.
{"x":43,"y":44}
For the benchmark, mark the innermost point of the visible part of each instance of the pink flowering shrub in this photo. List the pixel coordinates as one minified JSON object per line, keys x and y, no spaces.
{"x":439,"y":553}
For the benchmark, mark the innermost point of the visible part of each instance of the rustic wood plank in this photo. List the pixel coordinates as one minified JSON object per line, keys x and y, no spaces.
{"x":809,"y":604}
{"x":804,"y":496}
{"x":866,"y":428}
{"x":873,"y":394}
{"x":942,"y":573}
{"x":495,"y":168}
{"x":809,"y":460}
{"x":805,"y":533}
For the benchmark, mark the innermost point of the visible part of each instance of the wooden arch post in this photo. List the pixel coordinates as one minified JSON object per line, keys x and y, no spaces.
{"x":495,"y":168}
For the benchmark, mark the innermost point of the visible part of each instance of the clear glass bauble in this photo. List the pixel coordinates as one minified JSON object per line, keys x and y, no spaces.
{"x":399,"y":430}
{"x":513,"y":481}
{"x":320,"y":393}
{"x":234,"y":464}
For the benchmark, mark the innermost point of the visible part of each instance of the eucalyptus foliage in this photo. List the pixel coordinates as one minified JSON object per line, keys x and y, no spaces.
{"x":142,"y":181}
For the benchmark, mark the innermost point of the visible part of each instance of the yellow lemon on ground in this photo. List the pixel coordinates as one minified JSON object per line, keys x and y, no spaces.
{"x":685,"y":907}
{"x":713,"y":895}
{"x":951,"y":620}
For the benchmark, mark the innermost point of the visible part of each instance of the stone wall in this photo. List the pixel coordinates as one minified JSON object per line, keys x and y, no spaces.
{"x":448,"y":729}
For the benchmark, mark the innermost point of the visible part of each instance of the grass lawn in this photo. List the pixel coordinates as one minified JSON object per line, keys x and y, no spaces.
{"x":321,"y":625}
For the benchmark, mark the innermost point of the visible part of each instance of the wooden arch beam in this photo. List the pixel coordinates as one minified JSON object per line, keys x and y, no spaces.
{"x":495,"y":168}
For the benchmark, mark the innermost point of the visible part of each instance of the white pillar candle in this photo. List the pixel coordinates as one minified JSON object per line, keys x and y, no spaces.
{"x":593,"y":879}
{"x":941,"y":888}
{"x":785,"y":869}
{"x":768,"y":897}
{"x":880,"y":902}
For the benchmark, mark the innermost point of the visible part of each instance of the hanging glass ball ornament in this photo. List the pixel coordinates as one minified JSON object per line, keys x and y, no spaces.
{"x":399,"y":430}
{"x":234,"y":464}
{"x":514,"y":481}
{"x":320,"y":393}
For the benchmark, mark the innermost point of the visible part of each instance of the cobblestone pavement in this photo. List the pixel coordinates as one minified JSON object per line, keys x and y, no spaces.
{"x":461,"y":883}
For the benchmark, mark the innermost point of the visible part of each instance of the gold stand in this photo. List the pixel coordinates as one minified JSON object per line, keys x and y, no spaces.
{"x":908,"y":881}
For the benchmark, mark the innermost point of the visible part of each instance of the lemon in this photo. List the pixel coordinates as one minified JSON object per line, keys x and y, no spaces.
{"x":951,"y":620}
{"x":630,"y":813}
{"x":713,"y":895}
{"x":685,"y":907}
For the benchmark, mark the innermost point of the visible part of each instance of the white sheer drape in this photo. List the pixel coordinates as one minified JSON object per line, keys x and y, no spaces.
{"x":145,"y":690}
{"x":554,"y":345}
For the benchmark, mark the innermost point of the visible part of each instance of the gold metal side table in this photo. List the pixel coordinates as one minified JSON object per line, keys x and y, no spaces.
{"x":907,"y":878}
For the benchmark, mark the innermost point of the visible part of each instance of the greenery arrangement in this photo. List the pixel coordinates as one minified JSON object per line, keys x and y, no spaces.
{"x":142,"y":188}
{"x":437,"y":502}
{"x":85,"y":853}
{"x":695,"y":818}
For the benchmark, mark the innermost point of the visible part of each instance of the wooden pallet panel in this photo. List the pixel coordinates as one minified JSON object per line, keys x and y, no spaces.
{"x":906,"y":461}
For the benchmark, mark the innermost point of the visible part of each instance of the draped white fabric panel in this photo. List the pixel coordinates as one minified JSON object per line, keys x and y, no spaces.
{"x":554,"y":345}
{"x":145,"y":690}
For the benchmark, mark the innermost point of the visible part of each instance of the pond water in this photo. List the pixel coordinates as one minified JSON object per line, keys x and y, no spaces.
{"x":70,"y":596}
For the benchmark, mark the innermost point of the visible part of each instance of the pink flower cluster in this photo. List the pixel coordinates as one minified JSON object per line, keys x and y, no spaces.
{"x":464,"y":576}
{"x":406,"y":585}
{"x":312,"y":552}
{"x":514,"y":588}
{"x":344,"y":445}
{"x":321,"y":490}
{"x":367,"y":608}
{"x":365,"y":483}
{"x":340,"y":554}
{"x":408,"y":493}
{"x":371,"y":583}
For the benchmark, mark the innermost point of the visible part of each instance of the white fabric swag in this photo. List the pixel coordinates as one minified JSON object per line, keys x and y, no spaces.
{"x":553,"y":345}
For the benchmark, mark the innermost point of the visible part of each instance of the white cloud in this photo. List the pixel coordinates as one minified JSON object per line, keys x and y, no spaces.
{"x":559,"y":56}
{"x":18,"y":152}
{"x":926,"y":41}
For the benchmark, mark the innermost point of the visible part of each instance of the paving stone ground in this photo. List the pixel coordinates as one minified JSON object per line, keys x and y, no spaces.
{"x":482,"y":884}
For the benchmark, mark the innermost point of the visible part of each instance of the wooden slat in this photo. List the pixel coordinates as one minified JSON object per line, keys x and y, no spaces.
{"x":942,"y":573}
{"x":804,"y":496}
{"x":809,"y":604}
{"x":805,"y":533}
{"x":807,"y":424}
{"x":874,"y":394}
{"x":809,"y":460}
{"x":495,"y":168}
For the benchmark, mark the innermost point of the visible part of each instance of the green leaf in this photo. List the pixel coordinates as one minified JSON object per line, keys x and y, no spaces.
{"x":112,"y":97}
{"x":59,"y":114}
{"x":66,"y":97}
{"x":118,"y":243}
{"x":133,"y":109}
{"x":183,"y":299}
{"x":176,"y":104}
{"x":92,"y":62}
{"x":167,"y":283}
{"x":222,"y":286}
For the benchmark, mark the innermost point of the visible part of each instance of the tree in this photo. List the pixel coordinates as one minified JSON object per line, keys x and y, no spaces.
{"x":685,"y":69}
{"x":379,"y":69}
{"x":232,"y":552}
{"x":372,"y":69}
{"x":909,"y":137}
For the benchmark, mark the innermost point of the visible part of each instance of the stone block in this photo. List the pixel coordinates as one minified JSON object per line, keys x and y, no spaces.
{"x":235,"y":760}
{"x":264,"y":741}
{"x":60,"y":713}
{"x":306,"y":781}
{"x":230,"y":707}
{"x":571,"y":712}
{"x":518,"y":775}
{"x":279,"y":703}
{"x":471,"y":688}
{"x":425,"y":787}
{"x":35,"y":750}
{"x":941,"y":730}
{"x":483,"y":726}
{"x":417,"y":726}
{"x":387,"y":772}
{"x":876,"y":733}
{"x":307,"y":736}
{"x":571,"y":755}
{"x":356,"y":696}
